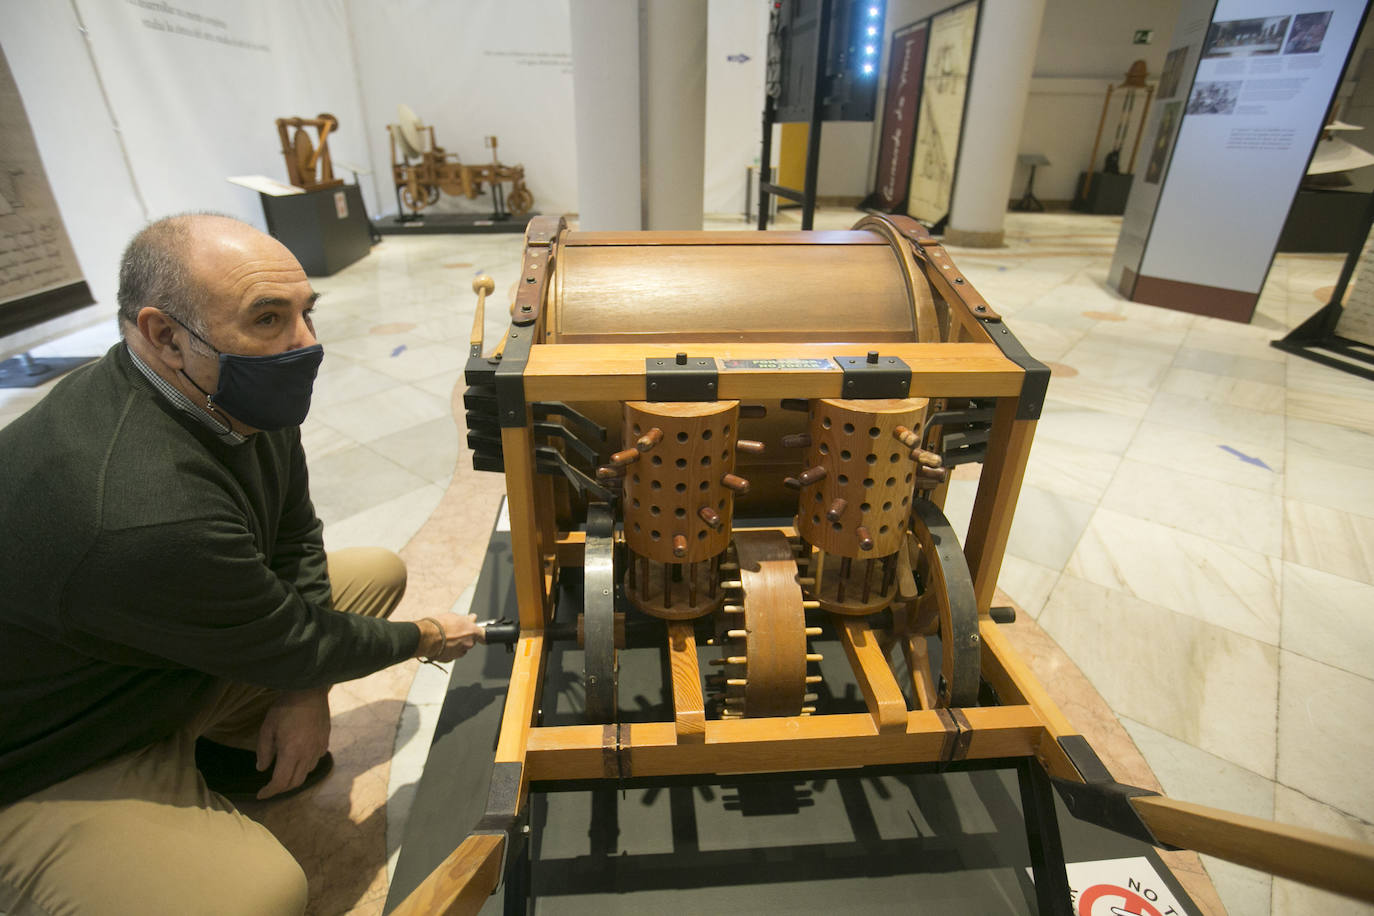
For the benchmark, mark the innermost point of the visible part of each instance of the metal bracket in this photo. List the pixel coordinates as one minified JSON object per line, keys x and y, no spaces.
{"x":680,"y":378}
{"x":510,"y":377}
{"x":874,"y":376}
{"x":1037,"y":378}
{"x":1100,"y":799}
{"x":501,"y":817}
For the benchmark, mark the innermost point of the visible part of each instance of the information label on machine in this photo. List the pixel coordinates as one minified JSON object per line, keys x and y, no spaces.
{"x":758,"y":364}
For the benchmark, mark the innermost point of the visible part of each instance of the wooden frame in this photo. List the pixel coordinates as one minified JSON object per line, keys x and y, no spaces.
{"x":982,"y":361}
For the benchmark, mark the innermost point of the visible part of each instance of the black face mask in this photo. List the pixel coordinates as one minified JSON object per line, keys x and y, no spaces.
{"x":265,"y":392}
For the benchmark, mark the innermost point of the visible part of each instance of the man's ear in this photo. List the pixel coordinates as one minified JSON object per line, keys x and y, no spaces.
{"x":157,"y":331}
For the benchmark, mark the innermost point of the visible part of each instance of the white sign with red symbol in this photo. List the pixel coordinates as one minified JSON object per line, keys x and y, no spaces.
{"x":1118,"y":887}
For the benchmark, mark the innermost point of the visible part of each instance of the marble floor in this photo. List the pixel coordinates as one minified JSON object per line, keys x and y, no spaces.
{"x":1195,"y":531}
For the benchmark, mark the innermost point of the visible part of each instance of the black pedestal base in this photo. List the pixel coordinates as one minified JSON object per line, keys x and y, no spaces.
{"x":445,"y":223}
{"x":1107,"y":193}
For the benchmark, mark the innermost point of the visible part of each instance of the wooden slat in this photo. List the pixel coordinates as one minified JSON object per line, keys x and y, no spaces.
{"x":522,"y":699}
{"x":615,"y":371}
{"x":462,"y":883}
{"x":999,"y":486}
{"x":776,"y":745}
{"x":742,"y":237}
{"x":1014,"y":682}
{"x":917,"y":653}
{"x":1321,"y":860}
{"x":517,"y":450}
{"x":689,"y":706}
{"x":881,"y":692}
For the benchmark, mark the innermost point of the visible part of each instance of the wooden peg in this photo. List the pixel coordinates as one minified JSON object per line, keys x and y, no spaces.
{"x":813,"y":679}
{"x":926,"y":459}
{"x":736,"y":483}
{"x":711,"y":517}
{"x":810,"y":605}
{"x":836,"y":509}
{"x":797,"y":440}
{"x":906,"y":437}
{"x":813,"y":631}
{"x":736,"y":682}
{"x":814,"y":657}
{"x":732,"y":583}
{"x":808,"y":710}
{"x":606,"y":472}
{"x":791,"y":483}
{"x":737,"y":634}
{"x":733,"y":609}
{"x":481,"y":285}
{"x":865,"y":539}
{"x":810,"y":698}
{"x":626,"y":457}
{"x":753,"y":411}
{"x":923,"y":483}
{"x":936,"y":474}
{"x":811,"y":475}
{"x":802,"y":405}
{"x":679,"y":545}
{"x":749,"y":446}
{"x":649,"y":439}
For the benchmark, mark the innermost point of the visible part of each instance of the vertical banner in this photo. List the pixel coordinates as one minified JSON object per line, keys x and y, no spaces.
{"x":949,"y":59}
{"x":39,"y":275}
{"x":1201,"y":229}
{"x":905,"y":71}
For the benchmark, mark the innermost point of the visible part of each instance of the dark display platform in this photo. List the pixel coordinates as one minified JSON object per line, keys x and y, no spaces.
{"x":882,"y":842}
{"x":326,"y":230}
{"x":1107,"y":193}
{"x":452,"y":223}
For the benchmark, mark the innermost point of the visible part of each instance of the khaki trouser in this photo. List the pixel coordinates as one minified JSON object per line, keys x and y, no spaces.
{"x":141,"y":834}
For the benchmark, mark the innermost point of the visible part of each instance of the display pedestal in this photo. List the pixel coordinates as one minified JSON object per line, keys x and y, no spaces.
{"x":326,"y":230}
{"x":1324,"y":220}
{"x":1107,"y":193}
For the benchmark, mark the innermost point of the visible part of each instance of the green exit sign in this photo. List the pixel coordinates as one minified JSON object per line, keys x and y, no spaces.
{"x":1143,"y":36}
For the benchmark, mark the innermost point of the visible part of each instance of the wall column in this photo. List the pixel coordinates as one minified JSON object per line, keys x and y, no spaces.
{"x":605,"y":51}
{"x":1004,"y":58}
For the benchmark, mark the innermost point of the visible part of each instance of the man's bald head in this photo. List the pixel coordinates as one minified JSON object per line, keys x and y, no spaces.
{"x":157,"y":268}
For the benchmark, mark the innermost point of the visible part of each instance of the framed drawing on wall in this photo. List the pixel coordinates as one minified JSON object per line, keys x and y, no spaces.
{"x":948,"y":63}
{"x":901,"y":104}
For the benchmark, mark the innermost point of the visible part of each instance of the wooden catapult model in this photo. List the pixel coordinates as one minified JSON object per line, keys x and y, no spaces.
{"x":307,"y":163}
{"x":737,"y":465}
{"x":421,"y":169}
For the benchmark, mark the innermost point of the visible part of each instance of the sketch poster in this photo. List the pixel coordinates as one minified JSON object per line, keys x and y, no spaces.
{"x":949,"y":57}
{"x":35,"y":255}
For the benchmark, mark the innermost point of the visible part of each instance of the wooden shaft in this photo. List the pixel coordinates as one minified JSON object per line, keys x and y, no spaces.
{"x":462,"y":882}
{"x":481,"y":286}
{"x":1092,"y":160}
{"x":1310,"y":856}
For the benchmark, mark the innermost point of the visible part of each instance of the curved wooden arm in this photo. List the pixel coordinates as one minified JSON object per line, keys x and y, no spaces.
{"x":461,"y":883}
{"x":1329,"y":862}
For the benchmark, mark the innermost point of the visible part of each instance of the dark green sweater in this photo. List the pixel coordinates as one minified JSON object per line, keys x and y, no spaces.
{"x":144,"y":559}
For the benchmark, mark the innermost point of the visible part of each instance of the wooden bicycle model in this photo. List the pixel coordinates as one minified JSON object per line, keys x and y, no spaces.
{"x":772,"y":472}
{"x":421,"y":170}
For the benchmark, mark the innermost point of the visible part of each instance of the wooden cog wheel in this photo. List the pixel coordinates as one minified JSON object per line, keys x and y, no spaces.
{"x":946,"y":608}
{"x":764,"y":643}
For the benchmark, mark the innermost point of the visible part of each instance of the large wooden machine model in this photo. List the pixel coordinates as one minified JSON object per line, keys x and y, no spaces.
{"x":739,"y":442}
{"x":421,"y":169}
{"x":307,"y":163}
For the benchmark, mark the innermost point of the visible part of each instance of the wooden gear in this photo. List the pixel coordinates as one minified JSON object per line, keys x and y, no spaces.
{"x":308,"y":164}
{"x":421,"y":170}
{"x":731,"y":391}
